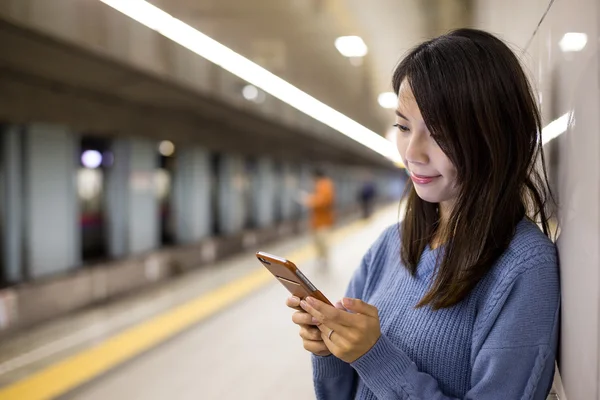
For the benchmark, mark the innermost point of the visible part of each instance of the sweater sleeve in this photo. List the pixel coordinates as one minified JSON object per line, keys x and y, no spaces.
{"x":516,"y":354}
{"x":334,"y":378}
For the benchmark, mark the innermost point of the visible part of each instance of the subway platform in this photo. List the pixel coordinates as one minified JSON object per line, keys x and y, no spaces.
{"x":220,"y":332}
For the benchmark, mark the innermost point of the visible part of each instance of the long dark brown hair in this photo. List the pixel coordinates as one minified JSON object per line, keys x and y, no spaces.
{"x":478,"y":105}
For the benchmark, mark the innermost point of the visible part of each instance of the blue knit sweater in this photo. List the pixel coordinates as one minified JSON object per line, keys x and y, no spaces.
{"x":498,"y":343}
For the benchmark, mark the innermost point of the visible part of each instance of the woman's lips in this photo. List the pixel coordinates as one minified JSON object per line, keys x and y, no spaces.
{"x":423,"y":179}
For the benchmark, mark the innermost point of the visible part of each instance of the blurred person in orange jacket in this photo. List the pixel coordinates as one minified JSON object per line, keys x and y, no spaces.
{"x":321,"y":203}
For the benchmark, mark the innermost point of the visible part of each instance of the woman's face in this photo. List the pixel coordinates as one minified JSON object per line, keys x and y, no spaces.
{"x":432,"y":172}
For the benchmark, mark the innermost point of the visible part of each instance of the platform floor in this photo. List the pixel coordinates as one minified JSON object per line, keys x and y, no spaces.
{"x":159,"y":344}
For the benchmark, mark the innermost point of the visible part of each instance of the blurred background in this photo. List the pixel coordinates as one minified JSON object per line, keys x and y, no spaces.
{"x":149,"y":148}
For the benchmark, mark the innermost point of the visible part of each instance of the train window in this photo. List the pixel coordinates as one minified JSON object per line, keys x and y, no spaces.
{"x":3,"y":272}
{"x":277,"y":193}
{"x":248,"y":194}
{"x":95,"y":158}
{"x":294,"y":187}
{"x":164,"y":191}
{"x":215,"y":168}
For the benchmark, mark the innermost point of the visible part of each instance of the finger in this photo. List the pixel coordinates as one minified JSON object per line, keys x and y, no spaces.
{"x":316,"y":347}
{"x":310,"y":333}
{"x":303,"y":318}
{"x":327,"y":312}
{"x":293,"y":302}
{"x":325,"y":326}
{"x":330,"y":333}
{"x":321,"y":321}
{"x":334,"y":340}
{"x":360,"y":307}
{"x":340,"y":306}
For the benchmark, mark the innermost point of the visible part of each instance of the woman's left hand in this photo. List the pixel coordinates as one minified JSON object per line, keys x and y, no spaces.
{"x":353,"y":333}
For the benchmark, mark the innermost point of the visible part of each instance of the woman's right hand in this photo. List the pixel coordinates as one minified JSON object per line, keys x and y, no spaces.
{"x":310,"y":334}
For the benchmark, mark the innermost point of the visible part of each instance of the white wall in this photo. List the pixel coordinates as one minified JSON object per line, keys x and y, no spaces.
{"x":567,"y":81}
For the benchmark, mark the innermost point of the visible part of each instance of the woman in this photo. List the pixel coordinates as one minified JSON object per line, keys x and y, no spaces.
{"x":460,"y":301}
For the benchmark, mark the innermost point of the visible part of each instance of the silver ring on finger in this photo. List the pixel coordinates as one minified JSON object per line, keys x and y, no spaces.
{"x":329,"y":334}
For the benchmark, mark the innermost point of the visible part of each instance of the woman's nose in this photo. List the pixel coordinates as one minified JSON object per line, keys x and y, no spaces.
{"x":416,"y":151}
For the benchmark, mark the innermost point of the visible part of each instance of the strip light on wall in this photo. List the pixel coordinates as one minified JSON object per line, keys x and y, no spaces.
{"x":197,"y":42}
{"x":556,"y":128}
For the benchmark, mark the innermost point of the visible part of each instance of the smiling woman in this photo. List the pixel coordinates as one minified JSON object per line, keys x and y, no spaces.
{"x":475,"y":127}
{"x":461,"y":301}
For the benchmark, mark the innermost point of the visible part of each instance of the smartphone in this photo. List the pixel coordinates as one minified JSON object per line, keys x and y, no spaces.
{"x":290,"y":276}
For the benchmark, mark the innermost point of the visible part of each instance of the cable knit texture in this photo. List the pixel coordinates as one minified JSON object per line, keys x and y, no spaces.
{"x":498,"y":343}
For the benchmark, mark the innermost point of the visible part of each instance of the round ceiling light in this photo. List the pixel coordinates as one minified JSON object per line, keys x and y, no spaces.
{"x":250,"y":92}
{"x":388,"y":100}
{"x":351,"y":46}
{"x":91,"y":159}
{"x":166,"y":148}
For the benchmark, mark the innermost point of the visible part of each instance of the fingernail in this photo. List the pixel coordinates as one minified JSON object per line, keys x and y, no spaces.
{"x":347,"y":302}
{"x":315,"y":321}
{"x":310,"y":300}
{"x":295,"y":299}
{"x":303,"y":304}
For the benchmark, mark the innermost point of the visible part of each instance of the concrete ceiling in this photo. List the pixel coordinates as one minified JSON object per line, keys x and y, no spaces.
{"x":392,"y":27}
{"x":93,"y":95}
{"x":295,"y":40}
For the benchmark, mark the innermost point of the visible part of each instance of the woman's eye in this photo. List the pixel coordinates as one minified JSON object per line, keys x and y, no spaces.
{"x":402,"y":127}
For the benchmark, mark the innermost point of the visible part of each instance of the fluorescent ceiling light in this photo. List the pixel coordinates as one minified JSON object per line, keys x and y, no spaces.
{"x":351,"y":46}
{"x":197,"y":42}
{"x":573,"y":41}
{"x":388,"y":100}
{"x":392,"y":137}
{"x":556,"y":128}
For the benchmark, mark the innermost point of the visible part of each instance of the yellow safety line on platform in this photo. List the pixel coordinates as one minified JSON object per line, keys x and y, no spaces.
{"x":75,"y":370}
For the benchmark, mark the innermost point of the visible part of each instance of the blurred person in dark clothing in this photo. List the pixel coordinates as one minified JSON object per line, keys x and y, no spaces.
{"x":366,"y":198}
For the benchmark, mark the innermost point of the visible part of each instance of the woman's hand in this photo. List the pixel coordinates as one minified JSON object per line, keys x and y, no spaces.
{"x":348,"y":335}
{"x":310,"y":334}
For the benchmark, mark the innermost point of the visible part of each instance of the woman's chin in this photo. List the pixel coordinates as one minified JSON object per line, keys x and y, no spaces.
{"x":428,"y":197}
